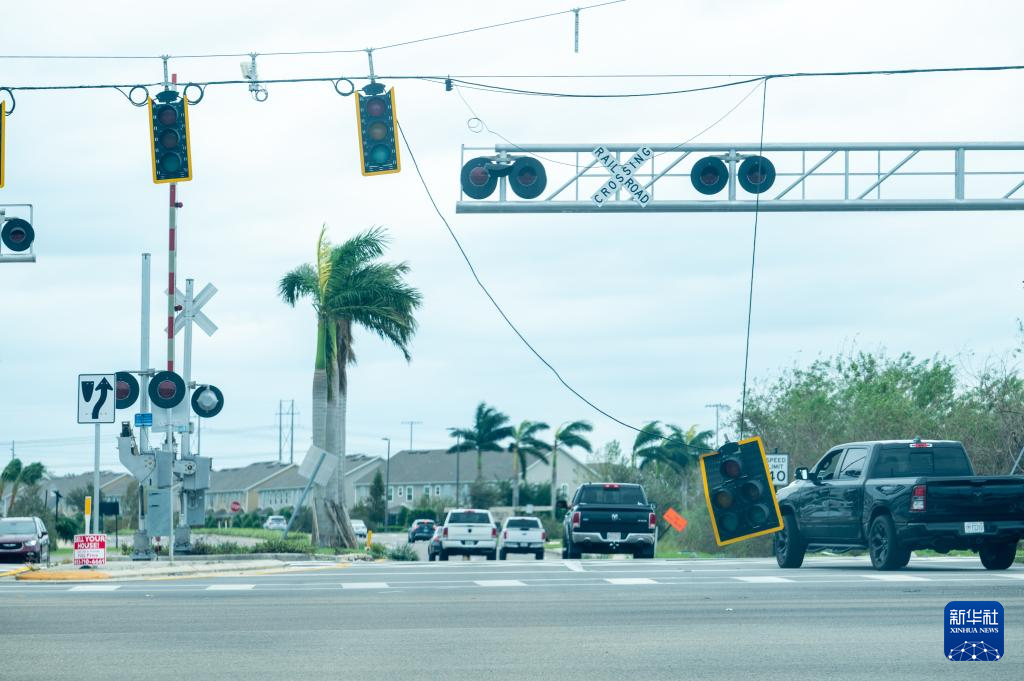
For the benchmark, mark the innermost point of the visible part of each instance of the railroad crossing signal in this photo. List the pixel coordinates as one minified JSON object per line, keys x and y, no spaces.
{"x":207,"y":401}
{"x":126,"y":390}
{"x":378,"y":141}
{"x":17,"y":234}
{"x":198,"y":316}
{"x":739,"y":493}
{"x":169,"y":138}
{"x":166,"y":389}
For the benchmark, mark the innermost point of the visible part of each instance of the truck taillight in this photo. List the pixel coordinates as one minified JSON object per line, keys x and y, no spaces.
{"x":576,"y":520}
{"x":543,"y":535}
{"x":444,"y":535}
{"x":494,"y":533}
{"x":917,"y":498}
{"x":505,"y":534}
{"x":652,"y":520}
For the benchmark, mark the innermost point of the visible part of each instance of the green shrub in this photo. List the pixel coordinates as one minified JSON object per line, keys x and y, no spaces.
{"x":284,"y":546}
{"x":378,"y":550}
{"x":201,"y":548}
{"x":403,"y":552}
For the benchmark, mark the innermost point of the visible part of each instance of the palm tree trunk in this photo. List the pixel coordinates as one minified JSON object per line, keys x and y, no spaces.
{"x":479,"y":464}
{"x":554,"y":474}
{"x":322,"y":436}
{"x":515,"y":478}
{"x":684,"y":488}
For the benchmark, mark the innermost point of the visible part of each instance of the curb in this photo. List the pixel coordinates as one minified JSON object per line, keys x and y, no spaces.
{"x":65,"y":576}
{"x":15,"y":571}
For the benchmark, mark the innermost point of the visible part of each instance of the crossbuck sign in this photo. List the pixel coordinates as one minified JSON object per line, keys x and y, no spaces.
{"x":622,"y":175}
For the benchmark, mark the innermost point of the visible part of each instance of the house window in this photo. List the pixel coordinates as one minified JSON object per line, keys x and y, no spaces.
{"x":408,"y":493}
{"x":401,"y":492}
{"x":426,"y":491}
{"x":391,"y":493}
{"x":437,"y":490}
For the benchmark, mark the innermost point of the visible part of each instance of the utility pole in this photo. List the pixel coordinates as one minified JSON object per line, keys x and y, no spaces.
{"x":387,"y":482}
{"x":458,"y":460}
{"x":717,"y":406}
{"x":12,"y":450}
{"x":280,"y":430}
{"x":281,"y":437}
{"x":291,"y":435}
{"x":411,"y":424}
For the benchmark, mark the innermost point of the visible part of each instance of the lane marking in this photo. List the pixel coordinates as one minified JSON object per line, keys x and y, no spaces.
{"x":230,"y":587}
{"x":1019,"y":575}
{"x":896,"y":578}
{"x":573,"y":565}
{"x":499,"y":582}
{"x":765,"y":580}
{"x":96,"y":587}
{"x":623,"y":581}
{"x":364,"y":585}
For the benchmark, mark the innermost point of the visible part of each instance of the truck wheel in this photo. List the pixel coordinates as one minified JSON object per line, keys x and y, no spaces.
{"x":998,"y":556}
{"x":789,"y":545}
{"x":493,"y":555}
{"x":565,"y":551}
{"x":540,"y":555}
{"x":502,"y":554}
{"x":572,"y":552}
{"x":884,"y":545}
{"x":443,"y":555}
{"x":646,"y":552}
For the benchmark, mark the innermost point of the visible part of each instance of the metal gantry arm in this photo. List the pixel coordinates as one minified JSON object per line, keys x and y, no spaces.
{"x":915,"y":176}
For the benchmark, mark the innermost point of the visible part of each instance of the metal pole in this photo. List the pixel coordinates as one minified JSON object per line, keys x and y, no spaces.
{"x":96,"y":480}
{"x":172,"y":261}
{"x":186,"y":444}
{"x":302,"y":499}
{"x":170,"y":496}
{"x":291,"y":437}
{"x":411,"y":424}
{"x":576,"y":38}
{"x":144,"y":353}
{"x":387,"y":483}
{"x":280,"y":430}
{"x":458,"y":460}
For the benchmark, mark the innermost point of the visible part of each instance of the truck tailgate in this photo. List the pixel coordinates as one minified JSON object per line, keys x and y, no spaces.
{"x":614,"y":519}
{"x":465,"y":532}
{"x":975,"y":498}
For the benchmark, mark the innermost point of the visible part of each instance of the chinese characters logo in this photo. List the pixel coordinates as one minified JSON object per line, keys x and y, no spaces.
{"x":974,"y":631}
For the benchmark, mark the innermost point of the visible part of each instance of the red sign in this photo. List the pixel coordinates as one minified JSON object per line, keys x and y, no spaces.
{"x":90,"y":549}
{"x":235,"y":507}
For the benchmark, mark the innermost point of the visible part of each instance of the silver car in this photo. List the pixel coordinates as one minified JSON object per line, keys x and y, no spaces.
{"x":276,"y":522}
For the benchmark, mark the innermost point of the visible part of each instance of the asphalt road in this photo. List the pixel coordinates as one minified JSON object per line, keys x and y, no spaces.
{"x":539,"y":620}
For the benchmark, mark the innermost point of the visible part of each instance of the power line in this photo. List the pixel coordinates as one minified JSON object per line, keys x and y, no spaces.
{"x":294,"y":53}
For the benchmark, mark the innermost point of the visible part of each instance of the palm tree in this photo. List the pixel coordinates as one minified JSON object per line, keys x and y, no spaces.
{"x":490,"y":427}
{"x":567,"y":436}
{"x":26,"y":476}
{"x":675,"y":449}
{"x":10,"y":474}
{"x":348,"y":287}
{"x":525,"y":443}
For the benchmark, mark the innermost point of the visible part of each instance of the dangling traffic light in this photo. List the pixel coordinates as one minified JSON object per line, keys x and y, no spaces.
{"x":378,"y":141}
{"x":739,"y":493}
{"x":166,"y":389}
{"x":169,"y":139}
{"x":709,"y":175}
{"x":17,"y":234}
{"x":756,"y":174}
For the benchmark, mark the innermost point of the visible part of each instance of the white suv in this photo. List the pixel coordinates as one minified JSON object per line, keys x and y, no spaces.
{"x":469,"y":532}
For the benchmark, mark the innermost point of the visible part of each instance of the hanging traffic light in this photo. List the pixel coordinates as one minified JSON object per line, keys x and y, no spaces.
{"x":739,"y":493}
{"x":166,"y":389}
{"x":709,"y":175}
{"x":378,"y":141}
{"x":169,"y":138}
{"x":17,"y":234}
{"x":756,"y":174}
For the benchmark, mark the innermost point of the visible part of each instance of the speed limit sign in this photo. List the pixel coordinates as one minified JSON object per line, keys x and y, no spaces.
{"x":778,"y":466}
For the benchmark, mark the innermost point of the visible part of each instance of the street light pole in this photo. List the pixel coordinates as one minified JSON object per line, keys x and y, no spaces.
{"x":717,"y":406}
{"x":387,"y":482}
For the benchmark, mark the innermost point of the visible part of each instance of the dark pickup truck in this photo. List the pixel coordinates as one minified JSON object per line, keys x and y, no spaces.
{"x":609,"y":518}
{"x":892,"y":497}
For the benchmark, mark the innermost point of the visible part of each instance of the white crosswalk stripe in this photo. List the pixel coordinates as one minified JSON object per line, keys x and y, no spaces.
{"x":765,"y":580}
{"x":95,"y":587}
{"x":499,"y":582}
{"x":364,"y":585}
{"x":896,"y":578}
{"x":625,"y":581}
{"x":230,"y":587}
{"x":573,"y":565}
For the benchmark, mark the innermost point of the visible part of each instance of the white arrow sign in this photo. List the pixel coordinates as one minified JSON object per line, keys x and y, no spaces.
{"x":97,"y":395}
{"x":200,"y":318}
{"x":622,"y":175}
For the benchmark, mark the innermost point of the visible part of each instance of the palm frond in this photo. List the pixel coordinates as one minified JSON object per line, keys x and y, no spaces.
{"x":299,"y":283}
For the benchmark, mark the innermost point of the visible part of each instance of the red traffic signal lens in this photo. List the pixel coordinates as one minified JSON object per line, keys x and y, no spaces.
{"x":170,"y":163}
{"x":17,"y":236}
{"x":377,"y":132}
{"x":526,"y":176}
{"x":723,"y":499}
{"x":166,"y":115}
{"x":123,"y":390}
{"x":169,"y":139}
{"x":751,"y":491}
{"x":376,"y":107}
{"x":479,"y":176}
{"x":731,"y":468}
{"x":166,"y":389}
{"x":709,"y":176}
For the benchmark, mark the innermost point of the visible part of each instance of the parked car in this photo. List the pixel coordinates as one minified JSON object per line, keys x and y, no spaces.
{"x":421,"y":529}
{"x":521,"y":534}
{"x":895,"y":496}
{"x":434,"y":544}
{"x":359,"y":527}
{"x":24,"y":540}
{"x":609,"y":518}
{"x":276,"y":522}
{"x":469,"y":532}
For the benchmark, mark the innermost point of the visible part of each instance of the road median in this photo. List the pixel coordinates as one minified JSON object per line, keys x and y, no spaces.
{"x":125,"y":571}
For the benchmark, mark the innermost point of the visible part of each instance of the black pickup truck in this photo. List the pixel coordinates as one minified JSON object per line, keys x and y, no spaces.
{"x":892,"y":497}
{"x":609,"y":518}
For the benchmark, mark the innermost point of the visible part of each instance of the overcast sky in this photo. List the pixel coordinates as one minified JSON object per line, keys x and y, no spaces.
{"x":644,"y":314}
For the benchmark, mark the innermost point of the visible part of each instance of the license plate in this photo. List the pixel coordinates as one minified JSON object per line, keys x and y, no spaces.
{"x":974,"y":528}
{"x":468,"y":542}
{"x":614,"y":536}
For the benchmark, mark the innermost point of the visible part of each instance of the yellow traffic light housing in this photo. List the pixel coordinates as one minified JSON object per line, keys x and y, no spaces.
{"x":169,"y":138}
{"x":739,"y":492}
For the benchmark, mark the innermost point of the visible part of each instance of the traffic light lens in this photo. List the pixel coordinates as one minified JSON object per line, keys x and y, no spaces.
{"x":526,"y":176}
{"x":17,"y":235}
{"x":731,"y":468}
{"x":170,"y":163}
{"x":750,"y":491}
{"x":169,"y":139}
{"x":166,"y":389}
{"x":730,"y":522}
{"x":166,"y":115}
{"x":756,"y":176}
{"x":756,"y":515}
{"x":123,"y":390}
{"x":376,"y":107}
{"x":379,"y":154}
{"x":723,"y":499}
{"x":479,"y":176}
{"x":377,"y":131}
{"x":709,"y":177}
